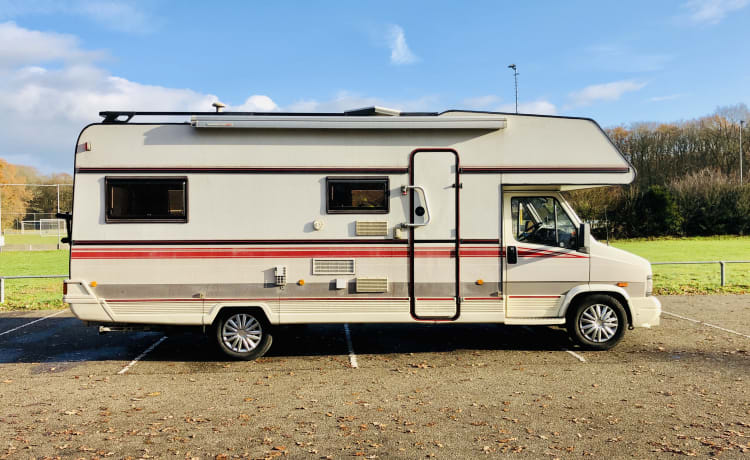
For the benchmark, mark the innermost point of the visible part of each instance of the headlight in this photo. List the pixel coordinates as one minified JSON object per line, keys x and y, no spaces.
{"x":649,"y":285}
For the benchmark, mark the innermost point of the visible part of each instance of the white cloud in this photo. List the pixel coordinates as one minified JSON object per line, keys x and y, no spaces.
{"x":42,"y":107}
{"x":20,"y":46}
{"x":400,"y":52}
{"x":603,"y":92}
{"x":480,"y":102}
{"x":113,"y":14}
{"x":712,"y":11}
{"x":538,"y":107}
{"x":345,"y":100}
{"x":256,"y":103}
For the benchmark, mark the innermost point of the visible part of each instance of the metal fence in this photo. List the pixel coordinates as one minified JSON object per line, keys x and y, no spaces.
{"x":722,"y":265}
{"x":3,"y":278}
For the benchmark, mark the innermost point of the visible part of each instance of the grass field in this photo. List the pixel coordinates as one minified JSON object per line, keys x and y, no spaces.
{"x":31,"y":238}
{"x":694,"y":279}
{"x":668,"y":279}
{"x":33,"y":294}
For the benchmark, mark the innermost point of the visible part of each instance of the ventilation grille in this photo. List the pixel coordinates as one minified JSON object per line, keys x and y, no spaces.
{"x":372,"y":284}
{"x":365,"y":228}
{"x":333,"y":267}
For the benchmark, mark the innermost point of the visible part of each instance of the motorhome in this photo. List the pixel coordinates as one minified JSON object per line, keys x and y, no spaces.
{"x":240,"y":222}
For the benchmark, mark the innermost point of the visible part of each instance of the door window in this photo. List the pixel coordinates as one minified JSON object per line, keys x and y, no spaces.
{"x":542,"y":220}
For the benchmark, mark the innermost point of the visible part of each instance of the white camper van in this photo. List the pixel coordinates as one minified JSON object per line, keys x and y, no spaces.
{"x":239,"y":222}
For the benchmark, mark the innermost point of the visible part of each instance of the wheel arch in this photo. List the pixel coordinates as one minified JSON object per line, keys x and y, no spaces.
{"x":579,"y":292}
{"x":218,"y":309}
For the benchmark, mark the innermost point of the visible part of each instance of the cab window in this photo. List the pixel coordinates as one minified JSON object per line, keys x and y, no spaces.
{"x":542,"y":220}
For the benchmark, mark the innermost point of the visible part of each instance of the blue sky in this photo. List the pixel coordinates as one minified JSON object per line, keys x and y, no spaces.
{"x":617,"y":62}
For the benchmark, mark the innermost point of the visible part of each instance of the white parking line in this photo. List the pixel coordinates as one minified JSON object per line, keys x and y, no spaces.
{"x":32,"y":322}
{"x":572,"y":353}
{"x":352,"y":356}
{"x":705,"y":324}
{"x":579,"y":357}
{"x":140,"y":357}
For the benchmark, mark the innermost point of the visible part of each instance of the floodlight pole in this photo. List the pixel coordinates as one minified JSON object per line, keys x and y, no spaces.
{"x":515,"y":77}
{"x":742,"y":122}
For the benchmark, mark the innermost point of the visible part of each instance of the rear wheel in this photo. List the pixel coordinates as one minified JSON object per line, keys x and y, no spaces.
{"x":597,"y":322}
{"x":243,"y":334}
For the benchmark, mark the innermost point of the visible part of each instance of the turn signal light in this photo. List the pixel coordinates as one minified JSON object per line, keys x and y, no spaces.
{"x":480,"y":282}
{"x":622,"y":284}
{"x":301,"y":282}
{"x":92,"y":284}
{"x":65,"y":288}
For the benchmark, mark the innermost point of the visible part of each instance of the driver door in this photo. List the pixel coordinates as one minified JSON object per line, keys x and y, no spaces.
{"x":540,"y":231}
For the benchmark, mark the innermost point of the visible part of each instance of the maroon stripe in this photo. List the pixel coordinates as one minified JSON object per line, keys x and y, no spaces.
{"x":534,"y":169}
{"x":234,"y":242}
{"x":243,"y":170}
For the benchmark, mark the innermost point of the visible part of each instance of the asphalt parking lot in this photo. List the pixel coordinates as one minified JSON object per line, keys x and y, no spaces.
{"x":383,"y":391}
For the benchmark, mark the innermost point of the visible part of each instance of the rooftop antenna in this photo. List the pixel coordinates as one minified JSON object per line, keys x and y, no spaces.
{"x":515,"y":76}
{"x":219,"y":106}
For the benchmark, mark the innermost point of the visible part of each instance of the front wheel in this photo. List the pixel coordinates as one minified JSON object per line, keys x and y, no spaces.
{"x":243,"y":334}
{"x":597,"y":322}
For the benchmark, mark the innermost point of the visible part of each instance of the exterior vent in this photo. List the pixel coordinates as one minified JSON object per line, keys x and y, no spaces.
{"x":280,"y":275}
{"x":333,"y":266}
{"x":365,"y":228}
{"x":372,"y":284}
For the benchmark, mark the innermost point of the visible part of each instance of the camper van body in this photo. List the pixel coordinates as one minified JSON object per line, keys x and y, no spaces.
{"x":365,"y":217}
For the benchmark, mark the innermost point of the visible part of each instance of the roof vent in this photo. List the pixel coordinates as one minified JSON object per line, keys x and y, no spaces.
{"x":219,"y":106}
{"x":374,"y":110}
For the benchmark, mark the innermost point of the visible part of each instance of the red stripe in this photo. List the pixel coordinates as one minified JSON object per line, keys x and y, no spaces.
{"x":436,"y":298}
{"x":255,"y":253}
{"x":484,"y":298}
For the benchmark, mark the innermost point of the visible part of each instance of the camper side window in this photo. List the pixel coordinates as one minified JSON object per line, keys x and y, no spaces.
{"x":144,"y":199}
{"x":357,"y":195}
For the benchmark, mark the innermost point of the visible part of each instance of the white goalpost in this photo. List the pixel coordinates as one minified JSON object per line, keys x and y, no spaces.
{"x":29,"y":226}
{"x":52,"y":227}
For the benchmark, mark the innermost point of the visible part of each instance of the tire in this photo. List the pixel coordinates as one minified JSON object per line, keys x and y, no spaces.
{"x":597,"y":322}
{"x":243,"y":334}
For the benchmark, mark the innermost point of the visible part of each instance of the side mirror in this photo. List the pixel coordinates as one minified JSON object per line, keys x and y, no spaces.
{"x":584,"y":238}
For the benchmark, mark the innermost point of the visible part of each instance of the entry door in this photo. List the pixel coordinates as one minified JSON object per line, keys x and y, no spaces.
{"x":542,"y":260}
{"x":434,"y":239}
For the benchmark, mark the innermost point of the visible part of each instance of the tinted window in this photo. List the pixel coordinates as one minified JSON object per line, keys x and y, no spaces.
{"x":146,"y":199}
{"x":357,"y":195}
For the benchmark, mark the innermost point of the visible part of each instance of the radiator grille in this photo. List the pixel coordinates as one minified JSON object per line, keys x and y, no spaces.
{"x":370,"y":228}
{"x":372,"y":284}
{"x":333,"y":266}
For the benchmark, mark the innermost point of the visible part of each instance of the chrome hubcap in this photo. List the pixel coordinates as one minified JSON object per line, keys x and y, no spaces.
{"x":598,"y":323}
{"x":241,"y":333}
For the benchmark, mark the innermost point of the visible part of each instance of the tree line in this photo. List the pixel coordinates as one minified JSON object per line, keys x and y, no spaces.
{"x":687,"y":182}
{"x":18,"y":202}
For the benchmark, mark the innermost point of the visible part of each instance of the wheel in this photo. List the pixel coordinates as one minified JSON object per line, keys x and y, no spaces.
{"x":597,"y":322}
{"x":243,"y":334}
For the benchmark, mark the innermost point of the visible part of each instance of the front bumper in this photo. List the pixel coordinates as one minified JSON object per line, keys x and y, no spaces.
{"x":646,"y":311}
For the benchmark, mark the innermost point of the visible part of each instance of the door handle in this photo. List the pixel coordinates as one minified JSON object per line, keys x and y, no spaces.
{"x":511,"y":253}
{"x":420,"y":189}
